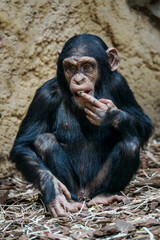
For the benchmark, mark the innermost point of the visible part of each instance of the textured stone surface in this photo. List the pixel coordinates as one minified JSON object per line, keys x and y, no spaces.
{"x":33,"y":31}
{"x":152,"y":6}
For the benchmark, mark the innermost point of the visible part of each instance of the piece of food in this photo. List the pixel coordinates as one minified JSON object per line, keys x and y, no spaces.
{"x":79,"y":93}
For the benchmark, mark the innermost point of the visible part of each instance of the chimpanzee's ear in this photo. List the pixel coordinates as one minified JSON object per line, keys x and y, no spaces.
{"x":113,"y":58}
{"x":59,"y":51}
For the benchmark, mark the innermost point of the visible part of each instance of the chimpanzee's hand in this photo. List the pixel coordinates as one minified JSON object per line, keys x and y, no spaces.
{"x":96,"y":109}
{"x":60,"y":207}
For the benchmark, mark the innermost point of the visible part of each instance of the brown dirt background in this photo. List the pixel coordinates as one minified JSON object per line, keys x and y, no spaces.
{"x":33,"y":31}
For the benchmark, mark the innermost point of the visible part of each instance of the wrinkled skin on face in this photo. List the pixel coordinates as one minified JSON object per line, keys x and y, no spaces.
{"x":81,"y":74}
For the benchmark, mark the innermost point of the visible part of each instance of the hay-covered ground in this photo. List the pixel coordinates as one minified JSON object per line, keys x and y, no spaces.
{"x":23,"y":215}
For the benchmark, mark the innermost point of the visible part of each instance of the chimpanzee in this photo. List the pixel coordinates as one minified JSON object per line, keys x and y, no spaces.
{"x":83,"y":131}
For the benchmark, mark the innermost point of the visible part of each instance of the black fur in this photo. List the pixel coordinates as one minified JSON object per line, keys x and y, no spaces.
{"x":80,"y":144}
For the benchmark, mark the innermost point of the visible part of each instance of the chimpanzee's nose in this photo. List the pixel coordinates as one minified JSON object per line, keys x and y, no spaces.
{"x":79,"y":79}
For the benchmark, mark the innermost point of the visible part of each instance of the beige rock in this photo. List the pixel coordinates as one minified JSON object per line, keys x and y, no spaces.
{"x":31,"y":33}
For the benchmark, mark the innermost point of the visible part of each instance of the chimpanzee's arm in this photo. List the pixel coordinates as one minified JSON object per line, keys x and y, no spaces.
{"x":121,"y":112}
{"x":131,"y":121}
{"x":37,"y":121}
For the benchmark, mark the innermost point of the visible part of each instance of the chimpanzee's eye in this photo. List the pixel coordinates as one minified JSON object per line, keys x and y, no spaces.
{"x":87,"y":67}
{"x":71,"y":68}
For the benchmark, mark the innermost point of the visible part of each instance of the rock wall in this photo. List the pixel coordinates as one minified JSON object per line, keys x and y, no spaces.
{"x":31,"y":32}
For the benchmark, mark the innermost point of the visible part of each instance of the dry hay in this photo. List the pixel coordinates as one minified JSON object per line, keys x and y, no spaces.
{"x":23,"y":214}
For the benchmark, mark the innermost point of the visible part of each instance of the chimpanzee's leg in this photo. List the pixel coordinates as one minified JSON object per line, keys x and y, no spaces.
{"x":123,"y":163}
{"x":55,"y":158}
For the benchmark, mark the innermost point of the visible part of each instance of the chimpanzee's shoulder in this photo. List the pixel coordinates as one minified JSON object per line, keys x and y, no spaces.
{"x":119,"y":81}
{"x":49,"y":85}
{"x":49,"y":91}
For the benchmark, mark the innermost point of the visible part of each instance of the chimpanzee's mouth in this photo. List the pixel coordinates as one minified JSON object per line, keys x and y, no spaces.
{"x":78,"y":93}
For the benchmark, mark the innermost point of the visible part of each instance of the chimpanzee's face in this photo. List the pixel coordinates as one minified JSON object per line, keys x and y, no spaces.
{"x":81,"y":74}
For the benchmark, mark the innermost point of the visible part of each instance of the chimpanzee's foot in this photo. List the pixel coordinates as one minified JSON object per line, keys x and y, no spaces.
{"x":105,"y":200}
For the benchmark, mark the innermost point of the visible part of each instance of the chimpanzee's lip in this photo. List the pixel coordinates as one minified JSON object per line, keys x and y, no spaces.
{"x":87,"y":91}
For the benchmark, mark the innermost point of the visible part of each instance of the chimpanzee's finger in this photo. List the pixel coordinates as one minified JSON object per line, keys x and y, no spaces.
{"x":92,"y":115}
{"x":53,"y":212}
{"x":67,"y":206}
{"x":75,"y":206}
{"x":65,"y":191}
{"x":81,"y":206}
{"x":60,"y":210}
{"x":91,"y":107}
{"x":100,"y":112}
{"x":51,"y":209}
{"x":92,"y":121}
{"x":106,"y":101}
{"x":91,"y":99}
{"x":71,"y":207}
